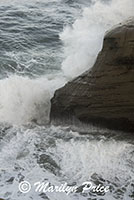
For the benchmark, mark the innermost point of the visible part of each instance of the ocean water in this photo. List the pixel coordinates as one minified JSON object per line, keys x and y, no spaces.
{"x":43,"y":45}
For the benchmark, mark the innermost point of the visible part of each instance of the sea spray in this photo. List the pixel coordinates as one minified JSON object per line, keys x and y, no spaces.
{"x":48,"y":153}
{"x":24,"y":100}
{"x":83,"y":40}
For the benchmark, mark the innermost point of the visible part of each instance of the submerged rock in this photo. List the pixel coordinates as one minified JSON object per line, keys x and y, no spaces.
{"x":104,"y":95}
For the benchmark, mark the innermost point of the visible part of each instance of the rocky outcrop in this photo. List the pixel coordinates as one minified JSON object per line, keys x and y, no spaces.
{"x":103,"y":95}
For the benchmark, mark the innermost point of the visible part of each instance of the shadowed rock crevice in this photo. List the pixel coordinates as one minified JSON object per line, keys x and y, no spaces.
{"x":103,"y":95}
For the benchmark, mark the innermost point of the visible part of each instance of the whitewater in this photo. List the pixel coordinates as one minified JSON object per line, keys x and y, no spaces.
{"x":44,"y":44}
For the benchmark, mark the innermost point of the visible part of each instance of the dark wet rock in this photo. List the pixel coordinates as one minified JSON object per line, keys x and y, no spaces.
{"x":104,"y":95}
{"x":10,"y":180}
{"x":48,"y":163}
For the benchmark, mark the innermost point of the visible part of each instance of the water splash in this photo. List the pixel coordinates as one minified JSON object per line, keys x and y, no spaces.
{"x":24,"y":100}
{"x":83,"y":40}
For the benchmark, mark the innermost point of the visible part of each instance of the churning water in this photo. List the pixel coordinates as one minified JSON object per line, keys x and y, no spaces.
{"x":44,"y":44}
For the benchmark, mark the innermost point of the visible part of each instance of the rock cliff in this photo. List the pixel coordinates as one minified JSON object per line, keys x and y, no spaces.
{"x":104,"y":95}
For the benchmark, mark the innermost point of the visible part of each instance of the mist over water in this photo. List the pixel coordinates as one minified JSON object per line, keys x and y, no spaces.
{"x":44,"y":44}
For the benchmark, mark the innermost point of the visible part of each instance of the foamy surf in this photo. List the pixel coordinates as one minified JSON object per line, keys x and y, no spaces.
{"x":59,"y":155}
{"x":31,"y":46}
{"x":24,"y":100}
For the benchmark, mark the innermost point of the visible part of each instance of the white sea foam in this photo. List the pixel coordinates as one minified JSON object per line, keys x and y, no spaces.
{"x":92,"y":157}
{"x":78,"y":157}
{"x":83,"y":40}
{"x":23,"y":99}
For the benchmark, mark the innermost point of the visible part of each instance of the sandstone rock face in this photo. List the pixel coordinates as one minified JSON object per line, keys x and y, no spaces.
{"x":103,"y":95}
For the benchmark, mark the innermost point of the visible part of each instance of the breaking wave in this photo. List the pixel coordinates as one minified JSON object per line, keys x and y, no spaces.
{"x":83,"y":40}
{"x":23,"y":99}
